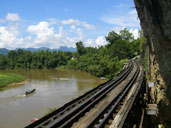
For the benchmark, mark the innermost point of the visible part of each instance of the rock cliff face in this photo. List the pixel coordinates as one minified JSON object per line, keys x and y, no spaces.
{"x":155,"y":18}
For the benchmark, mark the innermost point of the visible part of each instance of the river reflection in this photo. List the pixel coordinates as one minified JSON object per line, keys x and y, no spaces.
{"x":53,"y":89}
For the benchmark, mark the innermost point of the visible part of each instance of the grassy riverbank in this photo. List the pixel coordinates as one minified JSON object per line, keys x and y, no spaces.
{"x":9,"y":78}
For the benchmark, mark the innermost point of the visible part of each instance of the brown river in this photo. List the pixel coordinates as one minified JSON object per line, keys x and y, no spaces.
{"x":53,"y":89}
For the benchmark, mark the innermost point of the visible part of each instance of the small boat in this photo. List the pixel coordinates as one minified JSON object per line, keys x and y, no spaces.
{"x":54,"y":78}
{"x":102,"y":78}
{"x":30,"y":91}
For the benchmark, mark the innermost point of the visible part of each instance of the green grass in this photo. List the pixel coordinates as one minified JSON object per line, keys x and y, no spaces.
{"x":8,"y":78}
{"x":50,"y":110}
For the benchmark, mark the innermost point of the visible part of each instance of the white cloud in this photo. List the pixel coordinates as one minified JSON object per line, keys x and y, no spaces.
{"x":46,"y":36}
{"x":42,"y":30}
{"x":52,"y":33}
{"x":70,"y":21}
{"x":89,"y":42}
{"x":77,"y":22}
{"x":135,"y":33}
{"x":12,"y":17}
{"x":79,"y":32}
{"x":2,"y":21}
{"x":99,"y":41}
{"x":88,"y":26}
{"x":53,"y":21}
{"x":8,"y":38}
{"x":73,"y":27}
{"x":121,"y":16}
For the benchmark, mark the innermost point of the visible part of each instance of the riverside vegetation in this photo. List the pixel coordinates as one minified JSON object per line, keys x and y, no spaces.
{"x":104,"y":61}
{"x":8,"y":78}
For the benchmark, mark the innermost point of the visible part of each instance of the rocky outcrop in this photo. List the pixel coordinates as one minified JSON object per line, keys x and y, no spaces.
{"x":155,"y":19}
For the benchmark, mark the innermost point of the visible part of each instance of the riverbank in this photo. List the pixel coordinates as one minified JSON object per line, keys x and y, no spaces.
{"x":10,"y":79}
{"x":107,"y":72}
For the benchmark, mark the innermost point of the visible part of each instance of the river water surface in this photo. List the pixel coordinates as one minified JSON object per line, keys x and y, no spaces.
{"x":53,"y":89}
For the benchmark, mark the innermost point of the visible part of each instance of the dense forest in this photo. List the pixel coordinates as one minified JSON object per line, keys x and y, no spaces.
{"x":100,"y":61}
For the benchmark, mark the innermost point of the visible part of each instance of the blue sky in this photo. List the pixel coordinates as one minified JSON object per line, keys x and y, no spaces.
{"x":55,"y":23}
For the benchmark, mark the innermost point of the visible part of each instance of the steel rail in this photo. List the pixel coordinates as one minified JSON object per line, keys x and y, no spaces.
{"x":102,"y":117}
{"x":59,"y":112}
{"x":79,"y":111}
{"x":133,"y":97}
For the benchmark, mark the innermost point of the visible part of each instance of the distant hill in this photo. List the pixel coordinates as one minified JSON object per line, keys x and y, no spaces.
{"x":35,"y":49}
{"x":62,"y":48}
{"x":65,"y":48}
{"x":3,"y":51}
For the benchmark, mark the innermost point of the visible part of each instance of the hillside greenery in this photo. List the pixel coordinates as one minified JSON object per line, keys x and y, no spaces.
{"x":34,"y":60}
{"x":104,"y":61}
{"x":107,"y":60}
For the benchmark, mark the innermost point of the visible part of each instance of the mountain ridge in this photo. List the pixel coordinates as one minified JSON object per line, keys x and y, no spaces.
{"x":61,"y":48}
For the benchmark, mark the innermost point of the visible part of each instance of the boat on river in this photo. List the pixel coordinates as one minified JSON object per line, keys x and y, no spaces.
{"x":30,"y":91}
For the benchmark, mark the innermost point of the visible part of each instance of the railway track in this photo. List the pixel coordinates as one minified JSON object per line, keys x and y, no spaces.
{"x":106,"y":113}
{"x":71,"y":112}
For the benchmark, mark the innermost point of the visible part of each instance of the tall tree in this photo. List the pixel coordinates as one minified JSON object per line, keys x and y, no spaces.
{"x":80,"y":48}
{"x":126,"y":35}
{"x":112,"y":36}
